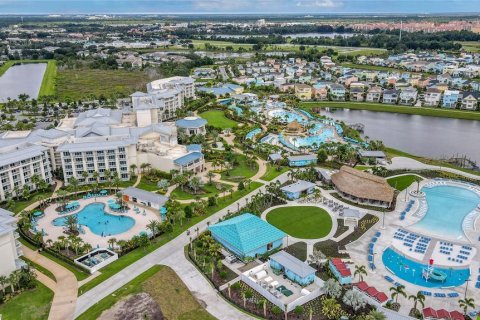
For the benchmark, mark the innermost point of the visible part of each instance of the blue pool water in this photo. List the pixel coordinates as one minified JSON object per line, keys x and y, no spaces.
{"x":238,"y":110}
{"x":98,"y":221}
{"x":318,"y":139}
{"x":411,"y":271}
{"x":253,"y":133}
{"x":447,"y":208}
{"x":287,"y":116}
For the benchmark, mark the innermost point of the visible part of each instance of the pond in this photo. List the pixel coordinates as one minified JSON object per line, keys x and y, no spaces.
{"x":431,"y":137}
{"x":20,"y":79}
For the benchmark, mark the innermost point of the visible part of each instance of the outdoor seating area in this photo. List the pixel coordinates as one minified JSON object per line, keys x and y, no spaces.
{"x":101,"y":193}
{"x":69,"y":207}
{"x":138,"y":211}
{"x":407,"y":209}
{"x":371,"y":253}
{"x":453,"y":254}
{"x":372,"y":292}
{"x":413,"y":242}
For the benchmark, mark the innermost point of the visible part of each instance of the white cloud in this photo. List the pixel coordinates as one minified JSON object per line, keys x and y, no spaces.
{"x":320,"y":4}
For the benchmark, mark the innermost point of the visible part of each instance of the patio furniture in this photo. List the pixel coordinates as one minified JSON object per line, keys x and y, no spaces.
{"x":274,"y":284}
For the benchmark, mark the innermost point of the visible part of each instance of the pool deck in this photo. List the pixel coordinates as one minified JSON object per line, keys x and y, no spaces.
{"x":54,"y":232}
{"x":358,"y":251}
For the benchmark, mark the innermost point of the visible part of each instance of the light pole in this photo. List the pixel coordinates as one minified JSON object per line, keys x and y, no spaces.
{"x":383,"y":219}
{"x":466,"y":288}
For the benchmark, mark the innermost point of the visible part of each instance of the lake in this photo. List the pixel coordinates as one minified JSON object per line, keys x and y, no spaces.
{"x":23,"y":78}
{"x":431,"y":137}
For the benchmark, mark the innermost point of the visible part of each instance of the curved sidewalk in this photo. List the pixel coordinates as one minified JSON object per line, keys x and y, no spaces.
{"x":65,"y":289}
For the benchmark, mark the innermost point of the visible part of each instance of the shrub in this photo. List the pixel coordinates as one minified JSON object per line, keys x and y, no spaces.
{"x":276,"y":310}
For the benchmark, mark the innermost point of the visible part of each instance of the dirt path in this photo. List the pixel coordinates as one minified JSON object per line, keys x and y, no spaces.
{"x":65,"y":288}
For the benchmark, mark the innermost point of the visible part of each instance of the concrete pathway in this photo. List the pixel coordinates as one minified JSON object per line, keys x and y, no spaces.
{"x":172,"y":254}
{"x":65,"y":288}
{"x":401,"y":163}
{"x":139,"y":179}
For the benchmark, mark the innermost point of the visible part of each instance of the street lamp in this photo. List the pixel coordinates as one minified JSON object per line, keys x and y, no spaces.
{"x":466,"y":288}
{"x":383,"y":219}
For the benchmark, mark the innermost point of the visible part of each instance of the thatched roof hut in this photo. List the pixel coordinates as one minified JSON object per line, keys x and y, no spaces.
{"x":294,"y":126}
{"x":362,"y":185}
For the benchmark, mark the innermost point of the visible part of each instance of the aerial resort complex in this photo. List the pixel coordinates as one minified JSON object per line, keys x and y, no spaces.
{"x":301,"y":166}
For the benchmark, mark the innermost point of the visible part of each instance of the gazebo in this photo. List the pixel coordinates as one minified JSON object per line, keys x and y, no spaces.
{"x":294,"y":127}
{"x":350,"y":214}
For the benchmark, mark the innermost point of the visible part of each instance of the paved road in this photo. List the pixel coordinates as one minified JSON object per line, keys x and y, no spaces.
{"x":171,"y":254}
{"x":65,"y":289}
{"x":401,"y":163}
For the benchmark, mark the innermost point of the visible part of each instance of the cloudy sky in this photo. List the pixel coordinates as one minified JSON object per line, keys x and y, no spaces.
{"x":237,"y":6}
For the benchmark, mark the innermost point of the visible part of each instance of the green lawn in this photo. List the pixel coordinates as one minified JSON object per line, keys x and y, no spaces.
{"x":39,"y":268}
{"x":402,"y":182}
{"x":241,"y":170}
{"x":304,"y":222}
{"x":423,"y":111}
{"x":145,"y":184}
{"x":209,"y":190}
{"x":84,"y":83}
{"x":273,"y":172}
{"x":165,"y":287}
{"x":29,"y":305}
{"x":19,"y":205}
{"x":49,"y":79}
{"x":136,"y":254}
{"x":217,"y":119}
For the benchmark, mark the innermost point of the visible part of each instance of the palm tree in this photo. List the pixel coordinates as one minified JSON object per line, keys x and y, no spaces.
{"x":116,"y":182}
{"x":360,"y":271}
{"x":74,"y":183}
{"x":418,"y":298}
{"x":210,"y":175}
{"x":133,"y":169}
{"x":3,"y":283}
{"x":376,"y":315}
{"x":112,"y":242}
{"x":332,"y":288}
{"x":466,"y":303}
{"x":152,"y":226}
{"x":398,"y":291}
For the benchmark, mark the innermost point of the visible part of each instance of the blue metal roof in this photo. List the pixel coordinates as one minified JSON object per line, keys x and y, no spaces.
{"x":246,"y":232}
{"x":186,"y":159}
{"x":191,"y":122}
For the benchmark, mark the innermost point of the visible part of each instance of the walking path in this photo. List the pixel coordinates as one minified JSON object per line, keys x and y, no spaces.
{"x":172,"y":254}
{"x":65,"y":288}
{"x":401,"y":163}
{"x":139,"y":179}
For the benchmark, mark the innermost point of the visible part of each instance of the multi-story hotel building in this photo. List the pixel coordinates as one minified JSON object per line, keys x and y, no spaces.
{"x":9,"y":245}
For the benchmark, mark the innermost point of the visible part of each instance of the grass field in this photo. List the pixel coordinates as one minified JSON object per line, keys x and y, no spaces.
{"x":19,"y":205}
{"x":85,"y":83}
{"x":471,"y":46}
{"x":29,"y":305}
{"x":165,"y":287}
{"x":200,"y":45}
{"x":378,"y":107}
{"x":402,"y":182}
{"x":208,"y":191}
{"x":241,"y":170}
{"x":217,"y":119}
{"x":272,"y":172}
{"x":136,"y":254}
{"x":39,"y":268}
{"x":304,"y":222}
{"x":49,"y":79}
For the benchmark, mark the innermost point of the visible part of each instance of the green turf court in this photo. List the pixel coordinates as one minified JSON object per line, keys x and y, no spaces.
{"x":402,"y":182}
{"x":304,"y":222}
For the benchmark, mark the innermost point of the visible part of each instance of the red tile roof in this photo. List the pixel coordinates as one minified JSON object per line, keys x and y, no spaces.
{"x":429,"y":313}
{"x":443,"y":314}
{"x":372,"y":291}
{"x":362,"y":286}
{"x":455,"y":315}
{"x":381,"y":297}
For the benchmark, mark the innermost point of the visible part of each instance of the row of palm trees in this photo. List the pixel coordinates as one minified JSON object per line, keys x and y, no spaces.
{"x":18,"y":279}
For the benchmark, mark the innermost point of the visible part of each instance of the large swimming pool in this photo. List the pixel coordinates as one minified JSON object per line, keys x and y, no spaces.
{"x":99,"y":222}
{"x":411,"y":271}
{"x":447,"y":208}
{"x":287,"y":116}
